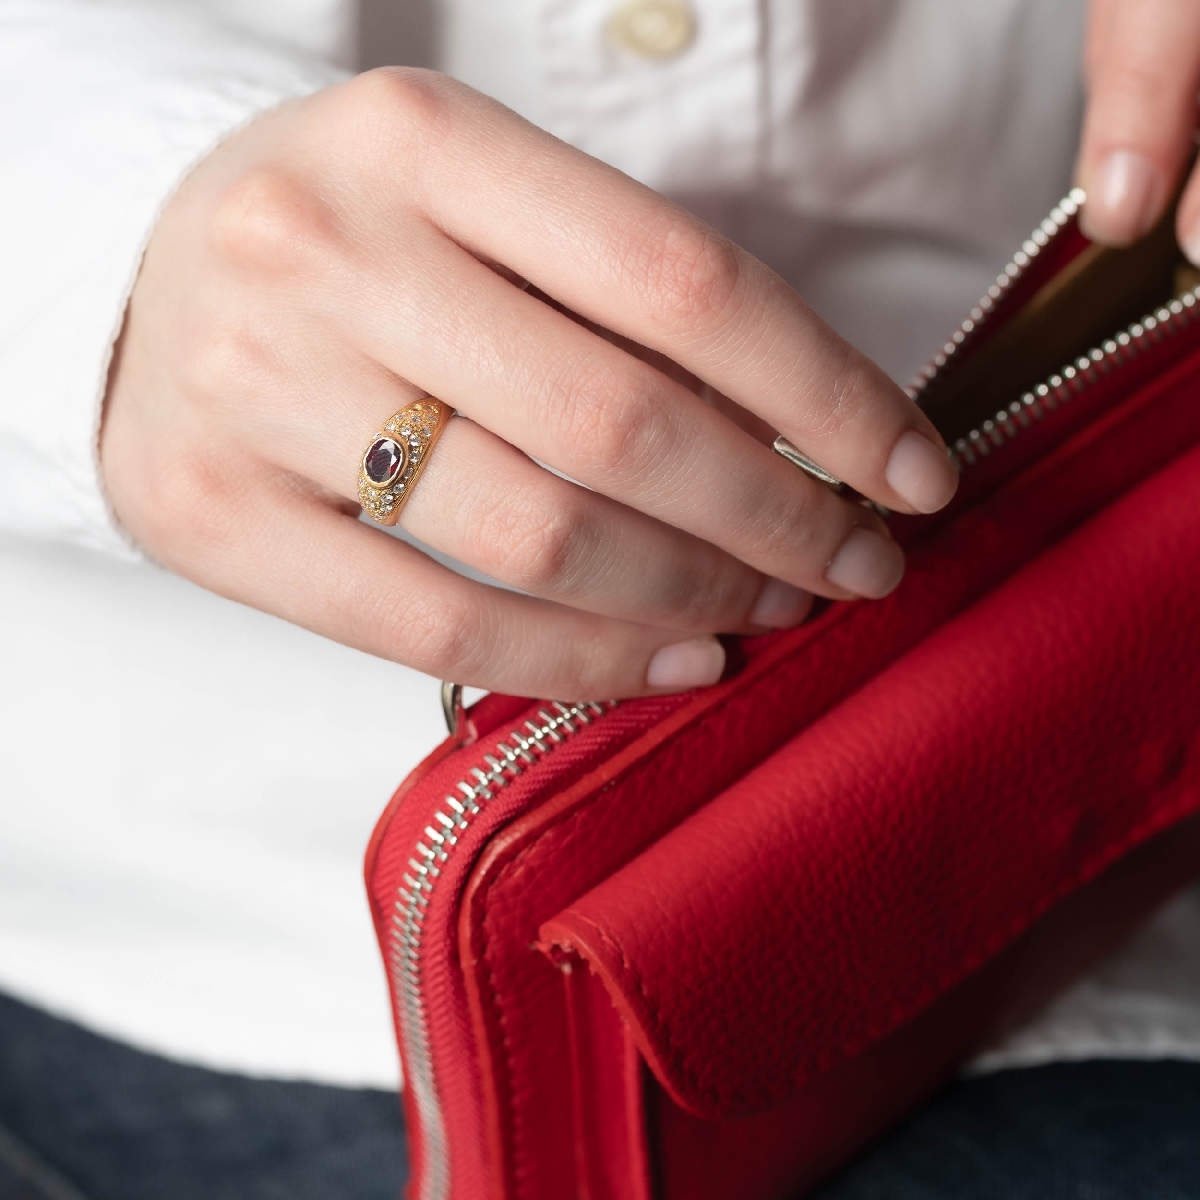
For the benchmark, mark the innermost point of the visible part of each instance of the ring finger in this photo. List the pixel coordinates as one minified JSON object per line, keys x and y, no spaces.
{"x":572,"y":399}
{"x":489,"y":506}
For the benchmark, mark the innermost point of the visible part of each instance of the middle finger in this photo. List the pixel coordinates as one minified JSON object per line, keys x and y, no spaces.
{"x":573,"y":400}
{"x":490,"y":507}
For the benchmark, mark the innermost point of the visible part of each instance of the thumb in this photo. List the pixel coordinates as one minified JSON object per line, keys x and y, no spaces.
{"x":1143,"y":71}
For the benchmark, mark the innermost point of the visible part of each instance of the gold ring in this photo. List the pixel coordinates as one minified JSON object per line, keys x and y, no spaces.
{"x":392,"y":463}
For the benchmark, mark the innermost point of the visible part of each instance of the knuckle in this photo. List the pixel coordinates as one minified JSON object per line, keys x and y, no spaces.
{"x":715,"y":598}
{"x":584,"y":665}
{"x":608,"y":661}
{"x":538,"y":555}
{"x":269,"y":223}
{"x":225,"y":361}
{"x":850,"y":390}
{"x":614,"y":422}
{"x":413,"y":99}
{"x":444,"y":637}
{"x":189,"y":508}
{"x":687,"y":274}
{"x":786,"y":525}
{"x":689,"y":599}
{"x":590,"y":670}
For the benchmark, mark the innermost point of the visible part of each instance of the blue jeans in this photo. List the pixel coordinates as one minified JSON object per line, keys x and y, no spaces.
{"x":85,"y":1118}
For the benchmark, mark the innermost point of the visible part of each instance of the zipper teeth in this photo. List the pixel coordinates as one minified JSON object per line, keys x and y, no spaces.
{"x":1059,"y":217}
{"x":1008,"y":423}
{"x":508,"y":761}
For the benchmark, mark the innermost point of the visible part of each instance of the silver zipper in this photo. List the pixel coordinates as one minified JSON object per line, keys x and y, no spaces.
{"x":1059,"y":218}
{"x":1009,"y":422}
{"x":524,"y":748}
{"x":507,"y":762}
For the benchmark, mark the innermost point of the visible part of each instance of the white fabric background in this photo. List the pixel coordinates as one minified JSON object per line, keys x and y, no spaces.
{"x":186,"y":786}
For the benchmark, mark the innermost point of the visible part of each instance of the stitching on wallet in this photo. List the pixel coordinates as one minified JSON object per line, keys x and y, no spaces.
{"x":526,"y":860}
{"x":563,"y":822}
{"x":954,"y":974}
{"x":495,"y":1011}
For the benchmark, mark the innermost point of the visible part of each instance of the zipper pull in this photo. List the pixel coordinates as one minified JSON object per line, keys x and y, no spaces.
{"x":458,"y":725}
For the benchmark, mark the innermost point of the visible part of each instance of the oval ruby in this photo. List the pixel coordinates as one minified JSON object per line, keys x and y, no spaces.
{"x":383,"y":462}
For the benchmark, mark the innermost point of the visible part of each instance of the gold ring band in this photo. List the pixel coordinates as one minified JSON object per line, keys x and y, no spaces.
{"x":393,"y":461}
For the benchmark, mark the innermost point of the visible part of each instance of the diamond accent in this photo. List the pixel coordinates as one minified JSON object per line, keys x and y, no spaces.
{"x":392,"y":460}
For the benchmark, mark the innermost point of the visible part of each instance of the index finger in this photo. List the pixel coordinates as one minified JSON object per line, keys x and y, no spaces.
{"x":621,"y":255}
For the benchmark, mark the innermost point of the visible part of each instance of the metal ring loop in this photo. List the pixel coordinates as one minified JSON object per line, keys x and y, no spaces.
{"x":455,"y":712}
{"x":782,"y":446}
{"x":452,"y":707}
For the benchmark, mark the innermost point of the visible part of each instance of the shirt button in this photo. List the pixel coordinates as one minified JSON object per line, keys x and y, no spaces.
{"x":653,"y":28}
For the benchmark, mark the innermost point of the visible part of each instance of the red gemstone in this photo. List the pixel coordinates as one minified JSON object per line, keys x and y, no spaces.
{"x":384,"y":461}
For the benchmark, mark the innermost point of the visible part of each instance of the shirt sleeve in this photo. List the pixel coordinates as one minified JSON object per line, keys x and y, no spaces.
{"x":104,"y":107}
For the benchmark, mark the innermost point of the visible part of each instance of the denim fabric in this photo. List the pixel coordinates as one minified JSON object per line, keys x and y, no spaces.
{"x":85,"y":1118}
{"x":1097,"y":1130}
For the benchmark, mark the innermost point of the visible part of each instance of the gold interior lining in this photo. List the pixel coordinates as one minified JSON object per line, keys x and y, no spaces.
{"x":1098,"y":294}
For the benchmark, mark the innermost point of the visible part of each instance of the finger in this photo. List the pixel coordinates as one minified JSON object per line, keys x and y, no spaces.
{"x":750,"y":337}
{"x":1143,"y":71}
{"x":574,"y":400}
{"x":621,"y":255}
{"x":1096,"y":34}
{"x":487,"y":505}
{"x":299,"y":559}
{"x":742,"y":417}
{"x":1188,"y":219}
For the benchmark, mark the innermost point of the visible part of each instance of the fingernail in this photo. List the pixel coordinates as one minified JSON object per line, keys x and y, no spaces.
{"x":1123,"y":196}
{"x":920,"y":473}
{"x":1191,"y":244}
{"x":867,"y":564}
{"x":688,"y":664}
{"x":780,"y":605}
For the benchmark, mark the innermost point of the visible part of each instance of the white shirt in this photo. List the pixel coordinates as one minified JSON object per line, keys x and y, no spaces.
{"x":188,"y":785}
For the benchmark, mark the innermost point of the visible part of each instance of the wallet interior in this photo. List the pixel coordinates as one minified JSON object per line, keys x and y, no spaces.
{"x":1098,"y":293}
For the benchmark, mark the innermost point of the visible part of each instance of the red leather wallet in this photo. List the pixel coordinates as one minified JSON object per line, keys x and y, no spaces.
{"x":705,"y":945}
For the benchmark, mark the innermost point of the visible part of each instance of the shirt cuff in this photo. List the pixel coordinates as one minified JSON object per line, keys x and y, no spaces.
{"x":96,"y":166}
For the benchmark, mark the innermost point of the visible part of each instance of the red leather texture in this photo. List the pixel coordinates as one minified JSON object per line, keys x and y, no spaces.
{"x":747,"y":925}
{"x":921,"y":825}
{"x":783,"y":1151}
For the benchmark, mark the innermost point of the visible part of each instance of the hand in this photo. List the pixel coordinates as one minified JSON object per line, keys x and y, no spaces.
{"x":347,"y":253}
{"x":1142,"y":66}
